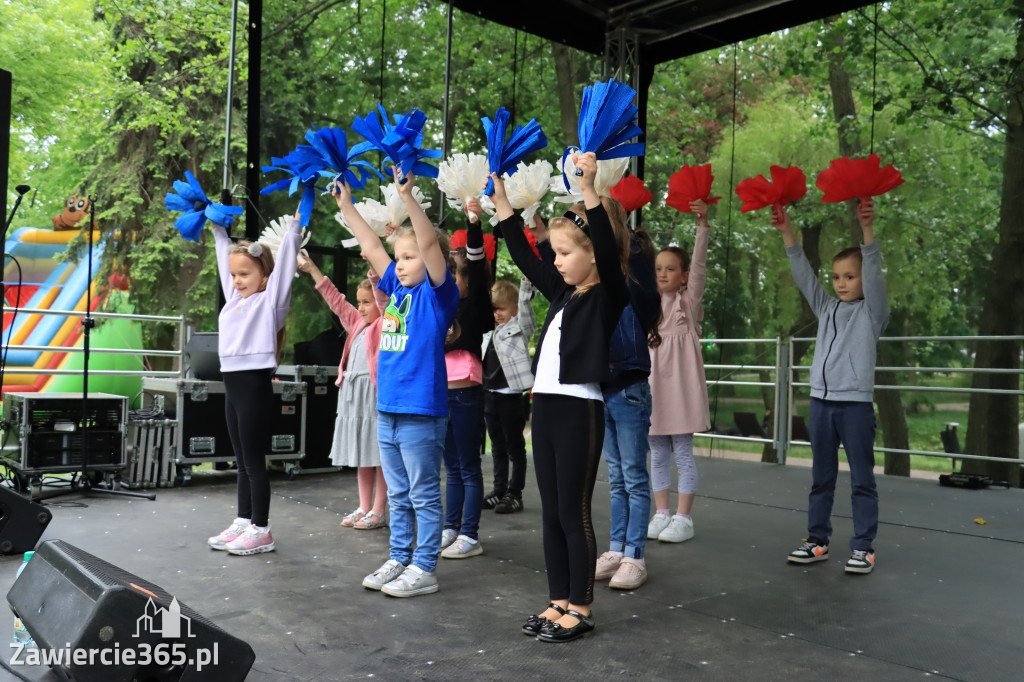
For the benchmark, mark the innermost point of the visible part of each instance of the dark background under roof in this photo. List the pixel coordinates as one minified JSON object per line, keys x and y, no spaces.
{"x":667,"y":29}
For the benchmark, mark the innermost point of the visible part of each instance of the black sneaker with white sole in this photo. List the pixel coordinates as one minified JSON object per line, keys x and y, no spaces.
{"x":492,"y":498}
{"x":810,"y":551}
{"x":509,"y":504}
{"x":861,"y":561}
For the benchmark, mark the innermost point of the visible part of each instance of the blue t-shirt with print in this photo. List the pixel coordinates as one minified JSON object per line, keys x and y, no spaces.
{"x":411,"y":374}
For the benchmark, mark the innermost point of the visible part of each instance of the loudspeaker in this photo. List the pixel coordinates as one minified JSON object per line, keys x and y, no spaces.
{"x":202,"y":357}
{"x":22,"y":522}
{"x":107,"y":625}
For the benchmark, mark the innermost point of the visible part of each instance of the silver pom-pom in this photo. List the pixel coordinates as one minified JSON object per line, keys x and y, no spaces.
{"x":255,"y":249}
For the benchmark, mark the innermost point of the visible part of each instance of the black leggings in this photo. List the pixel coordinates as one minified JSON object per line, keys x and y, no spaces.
{"x":249,"y":411}
{"x":505,"y":415}
{"x":568,"y":434}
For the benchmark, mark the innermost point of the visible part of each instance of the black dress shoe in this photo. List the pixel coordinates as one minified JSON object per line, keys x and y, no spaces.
{"x":534,"y":624}
{"x":553,"y":632}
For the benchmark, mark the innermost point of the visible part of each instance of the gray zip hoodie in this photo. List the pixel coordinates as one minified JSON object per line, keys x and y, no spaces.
{"x":844,"y":355}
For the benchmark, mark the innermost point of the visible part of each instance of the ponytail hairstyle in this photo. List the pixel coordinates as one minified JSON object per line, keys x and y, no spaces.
{"x":645,"y":245}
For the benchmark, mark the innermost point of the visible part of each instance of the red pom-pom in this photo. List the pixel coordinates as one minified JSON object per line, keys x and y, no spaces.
{"x":532,"y":240}
{"x":458,"y":240}
{"x":631,"y":193}
{"x":848,"y":178}
{"x":786,"y":185}
{"x":119,"y":281}
{"x":690,"y":183}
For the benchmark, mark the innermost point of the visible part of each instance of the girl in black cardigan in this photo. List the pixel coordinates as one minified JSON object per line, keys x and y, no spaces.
{"x":586,"y":286}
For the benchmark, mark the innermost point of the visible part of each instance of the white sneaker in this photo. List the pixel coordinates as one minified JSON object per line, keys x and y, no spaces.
{"x":383,"y":575}
{"x":658,"y":523}
{"x":679,"y":529}
{"x":412,"y":583}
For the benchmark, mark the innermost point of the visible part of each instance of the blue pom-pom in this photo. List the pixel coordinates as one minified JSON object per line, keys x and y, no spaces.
{"x":503,"y":156}
{"x":196,"y":208}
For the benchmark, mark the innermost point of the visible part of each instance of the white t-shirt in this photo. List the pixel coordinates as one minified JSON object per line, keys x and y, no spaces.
{"x":549,"y":363}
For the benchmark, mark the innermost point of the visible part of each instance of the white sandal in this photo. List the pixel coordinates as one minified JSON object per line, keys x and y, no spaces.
{"x":349,"y":520}
{"x":370,"y":521}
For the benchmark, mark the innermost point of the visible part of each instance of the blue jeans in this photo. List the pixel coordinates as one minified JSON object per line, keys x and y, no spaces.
{"x":464,"y":488}
{"x":853,"y":424}
{"x":411,"y":446}
{"x":627,"y":419}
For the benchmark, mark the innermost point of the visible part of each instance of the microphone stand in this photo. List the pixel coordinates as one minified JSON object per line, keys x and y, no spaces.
{"x":84,"y":483}
{"x":21,"y":190}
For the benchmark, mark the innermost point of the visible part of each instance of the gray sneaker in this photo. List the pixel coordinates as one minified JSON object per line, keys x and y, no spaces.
{"x":383,"y":575}
{"x":463,"y":548}
{"x":412,"y":583}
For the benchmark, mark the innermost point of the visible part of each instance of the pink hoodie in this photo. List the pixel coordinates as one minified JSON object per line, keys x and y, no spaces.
{"x":353,"y":323}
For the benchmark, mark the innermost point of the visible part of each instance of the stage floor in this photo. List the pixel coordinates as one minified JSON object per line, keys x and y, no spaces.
{"x":945,"y":599}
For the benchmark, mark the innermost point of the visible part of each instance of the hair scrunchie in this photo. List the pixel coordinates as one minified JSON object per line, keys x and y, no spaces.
{"x":255,"y":249}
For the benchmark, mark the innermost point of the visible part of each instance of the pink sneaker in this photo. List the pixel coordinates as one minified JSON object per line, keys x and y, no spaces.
{"x":252,"y":541}
{"x":229,"y":534}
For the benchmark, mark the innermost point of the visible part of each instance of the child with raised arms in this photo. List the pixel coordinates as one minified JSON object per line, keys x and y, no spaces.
{"x":586,"y":286}
{"x":508,"y":373}
{"x":679,"y":389}
{"x":411,"y":387}
{"x":464,"y":489}
{"x":355,"y":430}
{"x":842,"y":386}
{"x":257,"y":297}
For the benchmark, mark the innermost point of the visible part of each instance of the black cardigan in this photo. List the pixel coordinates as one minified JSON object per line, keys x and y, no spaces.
{"x":475,"y":314}
{"x":589,"y":318}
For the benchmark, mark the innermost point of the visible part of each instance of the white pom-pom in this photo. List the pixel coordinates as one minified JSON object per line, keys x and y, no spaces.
{"x":379,"y":216}
{"x":609,"y":172}
{"x":527,"y":186}
{"x":272,"y":235}
{"x":461,"y":177}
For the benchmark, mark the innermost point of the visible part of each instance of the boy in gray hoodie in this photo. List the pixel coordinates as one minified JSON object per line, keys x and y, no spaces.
{"x":842,"y":383}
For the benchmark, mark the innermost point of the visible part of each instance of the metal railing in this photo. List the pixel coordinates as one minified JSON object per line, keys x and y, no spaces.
{"x":784,"y":385}
{"x":178,"y":320}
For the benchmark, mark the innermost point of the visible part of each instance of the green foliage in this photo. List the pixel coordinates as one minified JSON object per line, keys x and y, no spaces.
{"x":134,"y":95}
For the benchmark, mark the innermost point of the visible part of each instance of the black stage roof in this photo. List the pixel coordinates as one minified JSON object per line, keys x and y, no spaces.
{"x":667,"y":29}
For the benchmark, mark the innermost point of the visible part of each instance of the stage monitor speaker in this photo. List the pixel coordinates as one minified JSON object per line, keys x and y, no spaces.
{"x":111,"y":626}
{"x":22,"y":522}
{"x":202,"y":356}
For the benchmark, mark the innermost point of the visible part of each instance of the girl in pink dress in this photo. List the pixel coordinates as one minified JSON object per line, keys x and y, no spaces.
{"x":679,"y":391}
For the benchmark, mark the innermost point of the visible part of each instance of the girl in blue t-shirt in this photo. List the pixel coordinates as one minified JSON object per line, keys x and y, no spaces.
{"x":412,"y":387}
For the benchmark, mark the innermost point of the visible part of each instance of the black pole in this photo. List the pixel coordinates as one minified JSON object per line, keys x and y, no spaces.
{"x":87,"y":325}
{"x":253,"y":121}
{"x":5,"y":146}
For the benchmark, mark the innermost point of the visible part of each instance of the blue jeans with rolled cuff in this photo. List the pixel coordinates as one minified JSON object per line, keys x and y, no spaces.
{"x":411,"y":448}
{"x":627,"y":419}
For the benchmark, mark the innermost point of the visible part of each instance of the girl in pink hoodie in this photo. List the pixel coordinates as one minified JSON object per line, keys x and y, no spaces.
{"x":355,"y":431}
